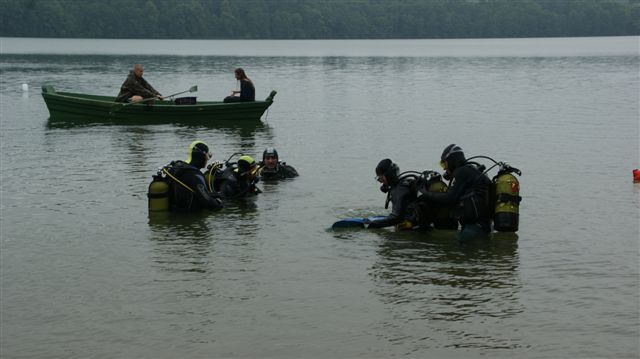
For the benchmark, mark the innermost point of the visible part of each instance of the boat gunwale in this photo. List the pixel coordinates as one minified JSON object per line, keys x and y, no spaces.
{"x":102,"y":99}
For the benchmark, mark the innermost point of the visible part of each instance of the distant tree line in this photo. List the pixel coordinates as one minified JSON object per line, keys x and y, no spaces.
{"x":317,"y":19}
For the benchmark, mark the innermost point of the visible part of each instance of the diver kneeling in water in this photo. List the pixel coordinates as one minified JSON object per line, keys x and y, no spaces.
{"x":400,"y":192}
{"x":271,"y":168}
{"x":188,"y":187}
{"x":467,"y":195}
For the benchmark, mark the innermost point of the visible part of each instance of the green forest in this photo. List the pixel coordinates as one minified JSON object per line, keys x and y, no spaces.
{"x":317,"y":19}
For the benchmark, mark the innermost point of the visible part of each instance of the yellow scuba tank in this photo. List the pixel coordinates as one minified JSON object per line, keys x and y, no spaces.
{"x":158,"y":194}
{"x":507,"y":199}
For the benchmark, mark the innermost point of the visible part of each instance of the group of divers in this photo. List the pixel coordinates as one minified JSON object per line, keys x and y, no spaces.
{"x":462,"y":197}
{"x":468,"y":201}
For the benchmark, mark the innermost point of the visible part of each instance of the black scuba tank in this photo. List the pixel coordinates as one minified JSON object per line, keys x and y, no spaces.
{"x":441,"y":216}
{"x":507,"y":199}
{"x":158,"y":193}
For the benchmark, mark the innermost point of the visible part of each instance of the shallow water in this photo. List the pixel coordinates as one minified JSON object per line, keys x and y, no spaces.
{"x":86,"y":271}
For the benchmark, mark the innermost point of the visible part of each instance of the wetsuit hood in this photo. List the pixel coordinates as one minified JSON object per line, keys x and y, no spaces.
{"x":454,"y":156}
{"x":269,"y":151}
{"x":390,"y":170}
{"x":198,"y":154}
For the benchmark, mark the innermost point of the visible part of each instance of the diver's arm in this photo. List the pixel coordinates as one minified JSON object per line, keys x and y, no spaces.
{"x":462,"y":177}
{"x":290,"y":172}
{"x":206,"y":198}
{"x":399,"y":202}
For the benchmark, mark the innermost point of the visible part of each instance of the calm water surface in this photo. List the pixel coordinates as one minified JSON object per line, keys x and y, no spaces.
{"x":87,"y":272}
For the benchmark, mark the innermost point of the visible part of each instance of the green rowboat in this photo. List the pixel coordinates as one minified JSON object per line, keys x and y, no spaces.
{"x":75,"y":107}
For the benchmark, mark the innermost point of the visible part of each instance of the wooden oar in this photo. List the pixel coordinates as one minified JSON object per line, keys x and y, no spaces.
{"x":193,"y":88}
{"x":353,"y":222}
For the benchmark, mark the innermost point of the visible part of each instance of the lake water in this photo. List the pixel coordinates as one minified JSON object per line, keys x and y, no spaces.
{"x":87,"y":272}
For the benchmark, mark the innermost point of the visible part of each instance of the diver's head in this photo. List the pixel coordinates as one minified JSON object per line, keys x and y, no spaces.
{"x":452,"y":157}
{"x":387,"y":172}
{"x":246,"y":166}
{"x":199,"y":154}
{"x":270,"y":158}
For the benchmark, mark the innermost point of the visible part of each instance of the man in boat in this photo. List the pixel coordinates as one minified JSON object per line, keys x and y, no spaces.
{"x":135,"y":88}
{"x":247,"y":91}
{"x":239,"y":180}
{"x":467,"y":195}
{"x":402,"y":194}
{"x":271,"y":168}
{"x":188,"y":188}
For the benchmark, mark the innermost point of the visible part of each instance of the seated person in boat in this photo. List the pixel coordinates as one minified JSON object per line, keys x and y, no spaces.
{"x":238,"y":180}
{"x":247,"y":91}
{"x":188,"y":188}
{"x":135,"y":88}
{"x":271,"y":168}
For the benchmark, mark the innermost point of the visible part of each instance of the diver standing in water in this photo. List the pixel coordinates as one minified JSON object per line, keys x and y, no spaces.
{"x":400,"y":192}
{"x":272,"y":169}
{"x":188,"y":188}
{"x":467,"y":195}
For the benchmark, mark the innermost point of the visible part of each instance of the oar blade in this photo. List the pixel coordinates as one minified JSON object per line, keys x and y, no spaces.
{"x":193,"y":88}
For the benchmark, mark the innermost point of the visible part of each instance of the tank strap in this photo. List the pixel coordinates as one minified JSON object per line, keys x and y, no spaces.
{"x":177,"y":180}
{"x":505,"y":197}
{"x":156,"y":195}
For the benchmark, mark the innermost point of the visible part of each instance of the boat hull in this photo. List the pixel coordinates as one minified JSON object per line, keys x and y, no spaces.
{"x":74,"y":107}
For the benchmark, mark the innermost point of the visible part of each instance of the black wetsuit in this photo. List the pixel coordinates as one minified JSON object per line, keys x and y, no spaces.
{"x":197,"y":196}
{"x":402,"y":195}
{"x":280,"y":171}
{"x":467,"y":196}
{"x":247,"y":93}
{"x":232,"y":185}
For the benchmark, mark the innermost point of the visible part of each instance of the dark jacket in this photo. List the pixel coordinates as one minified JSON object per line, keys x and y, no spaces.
{"x":247,"y":91}
{"x":194,"y":198}
{"x":135,"y":85}
{"x":467,"y":196}
{"x":281,"y":171}
{"x":402,"y":196}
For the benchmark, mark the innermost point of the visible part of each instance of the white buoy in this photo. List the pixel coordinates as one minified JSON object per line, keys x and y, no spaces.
{"x":25,"y":87}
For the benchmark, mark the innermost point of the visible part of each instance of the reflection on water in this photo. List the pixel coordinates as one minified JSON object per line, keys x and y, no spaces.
{"x":184,"y":241}
{"x":434,"y":277}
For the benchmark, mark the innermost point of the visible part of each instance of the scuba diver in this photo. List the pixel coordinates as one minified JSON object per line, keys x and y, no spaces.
{"x":188,"y":189}
{"x":272,"y":169}
{"x":401,"y":192}
{"x":467,"y":196}
{"x":239,"y":179}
